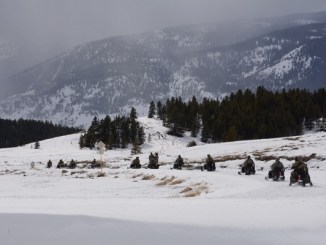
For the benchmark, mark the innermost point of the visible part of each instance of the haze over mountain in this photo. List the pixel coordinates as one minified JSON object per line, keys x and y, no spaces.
{"x":206,"y":60}
{"x":38,"y":30}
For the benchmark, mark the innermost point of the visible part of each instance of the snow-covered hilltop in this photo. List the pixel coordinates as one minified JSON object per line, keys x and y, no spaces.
{"x":218,"y":204}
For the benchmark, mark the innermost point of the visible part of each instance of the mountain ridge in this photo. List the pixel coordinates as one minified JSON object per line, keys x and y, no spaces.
{"x":111,"y":75}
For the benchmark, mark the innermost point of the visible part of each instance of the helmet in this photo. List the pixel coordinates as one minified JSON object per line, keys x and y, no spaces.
{"x":208,"y":155}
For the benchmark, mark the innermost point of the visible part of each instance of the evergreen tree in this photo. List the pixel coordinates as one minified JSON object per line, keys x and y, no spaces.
{"x":205,"y":133}
{"x":19,"y":132}
{"x":104,"y":130}
{"x":164,"y":116}
{"x":152,"y":110}
{"x":133,"y":131}
{"x":116,"y":133}
{"x":92,"y":133}
{"x":133,"y":114}
{"x":136,"y":149}
{"x":140,"y":136}
{"x":159,"y":108}
{"x":81,"y":141}
{"x":231,"y":134}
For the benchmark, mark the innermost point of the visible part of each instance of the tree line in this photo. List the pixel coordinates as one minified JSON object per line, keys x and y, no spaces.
{"x":244,"y":115}
{"x":115,"y":133}
{"x":19,"y":132}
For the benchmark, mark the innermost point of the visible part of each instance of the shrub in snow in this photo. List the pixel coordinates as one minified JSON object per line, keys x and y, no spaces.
{"x":191,"y":143}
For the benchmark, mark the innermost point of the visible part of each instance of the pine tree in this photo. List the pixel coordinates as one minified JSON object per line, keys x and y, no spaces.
{"x":195,"y":126}
{"x":140,"y":135}
{"x":92,"y":134}
{"x":37,"y":145}
{"x":104,"y":130}
{"x":133,"y":114}
{"x":81,"y":141}
{"x":231,"y":134}
{"x":164,"y":116}
{"x":159,"y":108}
{"x":133,"y":131}
{"x":152,"y":110}
{"x":136,"y":149}
{"x":205,"y":133}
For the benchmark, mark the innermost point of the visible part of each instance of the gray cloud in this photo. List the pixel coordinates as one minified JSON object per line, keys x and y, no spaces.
{"x":65,"y":23}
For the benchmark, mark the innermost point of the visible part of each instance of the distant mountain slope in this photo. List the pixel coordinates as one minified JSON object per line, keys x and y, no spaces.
{"x":291,"y":58}
{"x":105,"y":76}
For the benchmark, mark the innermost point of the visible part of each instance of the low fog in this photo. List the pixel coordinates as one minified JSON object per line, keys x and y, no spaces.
{"x":71,"y":22}
{"x":46,"y":28}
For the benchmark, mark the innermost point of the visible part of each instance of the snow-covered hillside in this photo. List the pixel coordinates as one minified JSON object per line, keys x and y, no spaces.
{"x":162,"y":206}
{"x":104,"y":77}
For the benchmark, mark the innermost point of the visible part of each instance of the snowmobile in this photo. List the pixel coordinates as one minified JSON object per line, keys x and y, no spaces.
{"x":247,"y":171}
{"x":209,"y":167}
{"x":177,"y":166}
{"x":301,"y":179}
{"x":278,"y":175}
{"x":135,"y":166}
{"x":153,"y":166}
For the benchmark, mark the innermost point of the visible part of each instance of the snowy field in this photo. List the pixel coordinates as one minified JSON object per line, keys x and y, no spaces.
{"x":164,"y":206}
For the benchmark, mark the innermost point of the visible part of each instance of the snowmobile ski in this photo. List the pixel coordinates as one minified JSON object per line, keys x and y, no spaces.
{"x":300,"y":183}
{"x":276,"y":179}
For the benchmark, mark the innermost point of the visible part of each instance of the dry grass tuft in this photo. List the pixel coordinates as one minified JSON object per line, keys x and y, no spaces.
{"x":176,"y":182}
{"x":164,"y":177}
{"x":187,"y":189}
{"x":192,"y":193}
{"x":262,"y":157}
{"x":196,"y":190}
{"x":148,"y":177}
{"x":136,"y":176}
{"x":165,"y":181}
{"x":229,"y":158}
{"x":101,"y":174}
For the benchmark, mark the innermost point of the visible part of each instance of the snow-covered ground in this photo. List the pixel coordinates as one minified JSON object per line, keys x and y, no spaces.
{"x":164,"y":206}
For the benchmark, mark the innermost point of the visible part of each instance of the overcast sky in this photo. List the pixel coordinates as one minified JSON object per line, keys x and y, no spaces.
{"x":76,"y":21}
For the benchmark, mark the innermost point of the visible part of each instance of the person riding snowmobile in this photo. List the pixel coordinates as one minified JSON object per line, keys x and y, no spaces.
{"x":153,"y":161}
{"x":277,"y":170}
{"x":72,"y":164}
{"x":300,"y":172}
{"x":61,"y":164}
{"x":210,"y":164}
{"x":49,"y":164}
{"x":248,"y":167}
{"x":178,"y":163}
{"x":135,"y":163}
